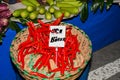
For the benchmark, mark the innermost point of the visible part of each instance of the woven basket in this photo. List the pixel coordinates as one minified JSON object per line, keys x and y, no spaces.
{"x":85,"y":47}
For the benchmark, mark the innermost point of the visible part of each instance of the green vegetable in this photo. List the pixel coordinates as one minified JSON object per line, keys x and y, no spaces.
{"x":48,"y":16}
{"x":24,"y":14}
{"x":72,"y":10}
{"x":27,"y":3}
{"x":51,"y":9}
{"x":69,"y":3}
{"x":69,"y":0}
{"x":50,"y":2}
{"x":33,"y":15}
{"x":30,"y":8}
{"x":17,"y":12}
{"x":35,"y":2}
{"x":64,"y":5}
{"x":42,"y":10}
{"x":109,"y":3}
{"x":57,"y":13}
{"x":12,"y":25}
{"x":1,"y":37}
{"x":84,"y":12}
{"x":67,"y":14}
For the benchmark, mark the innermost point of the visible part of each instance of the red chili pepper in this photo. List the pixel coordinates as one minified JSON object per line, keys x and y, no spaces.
{"x":38,"y":47}
{"x":62,"y":67}
{"x":43,"y":24}
{"x":47,"y":60}
{"x":38,"y":61}
{"x":67,"y":61}
{"x":31,"y":25}
{"x":30,"y":45}
{"x":26,"y":51}
{"x":43,"y":40}
{"x":42,"y":62}
{"x":20,"y":53}
{"x":21,"y":58}
{"x":38,"y":74}
{"x":32,"y":30}
{"x":40,"y":65}
{"x":62,"y":71}
{"x":22,"y":61}
{"x":49,"y":66}
{"x":23,"y":44}
{"x":58,"y":20}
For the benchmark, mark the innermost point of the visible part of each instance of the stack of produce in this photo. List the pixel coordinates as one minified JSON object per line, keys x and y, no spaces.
{"x":54,"y":9}
{"x":35,"y":60}
{"x":5,"y":14}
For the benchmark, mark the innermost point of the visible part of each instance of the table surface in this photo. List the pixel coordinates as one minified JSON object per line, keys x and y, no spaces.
{"x":102,"y":29}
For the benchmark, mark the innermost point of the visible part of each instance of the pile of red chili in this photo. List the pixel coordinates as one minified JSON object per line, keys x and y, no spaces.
{"x":37,"y":43}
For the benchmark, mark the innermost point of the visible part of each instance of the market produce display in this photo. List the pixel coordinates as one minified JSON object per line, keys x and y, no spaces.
{"x":34,"y":59}
{"x":29,"y":50}
{"x":47,"y":10}
{"x":52,"y":9}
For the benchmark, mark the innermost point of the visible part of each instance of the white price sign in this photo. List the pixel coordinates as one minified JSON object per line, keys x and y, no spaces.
{"x":57,"y":36}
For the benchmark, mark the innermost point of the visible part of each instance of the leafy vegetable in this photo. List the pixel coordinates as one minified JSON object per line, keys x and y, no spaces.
{"x":12,"y":25}
{"x":99,"y":4}
{"x":84,"y":12}
{"x":96,"y":4}
{"x":1,"y":37}
{"x":109,"y":3}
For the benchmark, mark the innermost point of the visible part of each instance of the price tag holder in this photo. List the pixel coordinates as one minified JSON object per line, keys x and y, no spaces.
{"x":57,"y":36}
